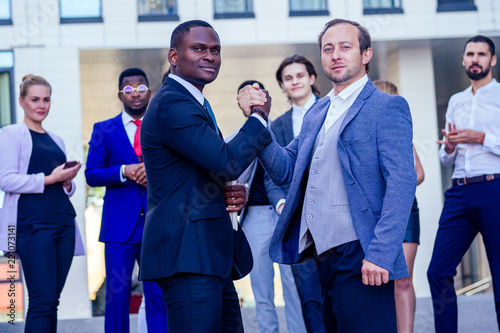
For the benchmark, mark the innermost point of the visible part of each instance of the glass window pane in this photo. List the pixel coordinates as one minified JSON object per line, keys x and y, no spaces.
{"x":5,"y":106}
{"x":382,"y":4}
{"x":157,"y":7}
{"x":307,"y":5}
{"x":233,"y":6}
{"x":6,"y":59}
{"x":4,"y":9}
{"x":80,"y":8}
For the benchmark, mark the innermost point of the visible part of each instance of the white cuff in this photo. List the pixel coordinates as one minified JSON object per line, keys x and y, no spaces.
{"x":256,"y":115}
{"x":280,"y":202}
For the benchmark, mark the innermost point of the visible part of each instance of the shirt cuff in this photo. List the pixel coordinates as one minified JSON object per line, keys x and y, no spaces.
{"x":122,"y":174}
{"x":263,"y":122}
{"x":281,"y":201}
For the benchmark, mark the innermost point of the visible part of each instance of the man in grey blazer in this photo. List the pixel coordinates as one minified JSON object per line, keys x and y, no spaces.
{"x":352,"y":185}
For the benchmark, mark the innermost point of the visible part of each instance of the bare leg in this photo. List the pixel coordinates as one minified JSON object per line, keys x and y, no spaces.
{"x":405,"y":294}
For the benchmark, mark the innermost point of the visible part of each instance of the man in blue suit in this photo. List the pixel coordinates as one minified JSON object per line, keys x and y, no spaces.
{"x":352,"y":187}
{"x":115,"y":161}
{"x":190,"y":247}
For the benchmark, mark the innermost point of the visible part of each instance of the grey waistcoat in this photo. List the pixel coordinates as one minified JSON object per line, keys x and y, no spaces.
{"x":326,"y":218}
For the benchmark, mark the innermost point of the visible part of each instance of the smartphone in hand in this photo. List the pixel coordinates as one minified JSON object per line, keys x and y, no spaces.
{"x":69,"y":164}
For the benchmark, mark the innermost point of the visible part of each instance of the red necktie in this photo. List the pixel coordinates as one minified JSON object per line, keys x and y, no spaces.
{"x":137,"y":139}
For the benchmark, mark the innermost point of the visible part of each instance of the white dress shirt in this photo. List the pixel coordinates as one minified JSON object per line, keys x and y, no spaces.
{"x":343,"y":101}
{"x":480,"y":112}
{"x":130,"y":129}
{"x":298,"y":114}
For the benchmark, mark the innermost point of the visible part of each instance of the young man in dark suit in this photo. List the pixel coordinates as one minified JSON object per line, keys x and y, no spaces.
{"x":296,"y":76}
{"x":115,"y":161}
{"x":190,"y":247}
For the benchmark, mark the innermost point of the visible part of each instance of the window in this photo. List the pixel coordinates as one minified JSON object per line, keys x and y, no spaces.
{"x":224,"y":9}
{"x":78,"y":11}
{"x":5,"y":13}
{"x":6,"y":88}
{"x":382,"y":7}
{"x":308,"y":7}
{"x":455,"y":5}
{"x":157,"y":10}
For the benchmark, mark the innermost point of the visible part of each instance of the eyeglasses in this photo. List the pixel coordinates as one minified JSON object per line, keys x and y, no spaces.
{"x":129,"y":90}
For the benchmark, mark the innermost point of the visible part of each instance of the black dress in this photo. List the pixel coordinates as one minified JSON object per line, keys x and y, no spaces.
{"x":53,"y":205}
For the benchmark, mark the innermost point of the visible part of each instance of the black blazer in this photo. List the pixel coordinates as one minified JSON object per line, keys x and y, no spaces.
{"x":187,"y":228}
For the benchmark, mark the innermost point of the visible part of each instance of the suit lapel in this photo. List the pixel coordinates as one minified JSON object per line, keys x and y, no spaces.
{"x":183,"y":90}
{"x":121,"y":136}
{"x":357,"y":105}
{"x":313,"y":121}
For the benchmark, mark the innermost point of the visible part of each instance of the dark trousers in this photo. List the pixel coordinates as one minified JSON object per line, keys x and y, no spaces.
{"x":120,"y":260}
{"x":467,"y":210}
{"x":46,"y":252}
{"x":349,"y":306}
{"x":309,"y":289}
{"x":201,"y":304}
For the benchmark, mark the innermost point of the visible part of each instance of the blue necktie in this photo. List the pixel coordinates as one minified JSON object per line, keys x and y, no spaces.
{"x":206,"y":105}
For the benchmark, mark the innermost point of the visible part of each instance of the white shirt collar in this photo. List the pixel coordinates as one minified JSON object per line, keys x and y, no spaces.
{"x":198,"y":95}
{"x":349,"y":90}
{"x":126,"y":118}
{"x":307,"y":106}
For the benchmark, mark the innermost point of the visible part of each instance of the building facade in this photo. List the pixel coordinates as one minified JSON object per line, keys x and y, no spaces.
{"x":82,"y":46}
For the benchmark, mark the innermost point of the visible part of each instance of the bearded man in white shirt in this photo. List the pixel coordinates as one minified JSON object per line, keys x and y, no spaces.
{"x":472,"y":143}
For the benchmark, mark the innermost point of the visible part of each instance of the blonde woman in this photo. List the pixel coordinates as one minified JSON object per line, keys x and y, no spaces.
{"x":404,"y":292}
{"x":37,"y":220}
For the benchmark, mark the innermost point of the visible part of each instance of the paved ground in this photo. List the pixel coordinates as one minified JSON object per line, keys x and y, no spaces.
{"x":476,"y":315}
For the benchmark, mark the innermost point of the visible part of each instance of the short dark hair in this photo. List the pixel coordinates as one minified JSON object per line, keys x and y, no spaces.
{"x":183,"y":29}
{"x":482,"y":39}
{"x":365,"y":41}
{"x":298,"y":60}
{"x":131,"y":72}
{"x":250,"y":82}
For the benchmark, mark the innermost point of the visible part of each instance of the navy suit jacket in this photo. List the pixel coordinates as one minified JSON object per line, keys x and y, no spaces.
{"x":109,"y":149}
{"x":188,"y":229}
{"x":376,"y":157}
{"x":274,"y":193}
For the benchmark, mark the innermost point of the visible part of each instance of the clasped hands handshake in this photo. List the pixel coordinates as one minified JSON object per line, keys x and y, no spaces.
{"x":456,"y":136}
{"x":252,"y":99}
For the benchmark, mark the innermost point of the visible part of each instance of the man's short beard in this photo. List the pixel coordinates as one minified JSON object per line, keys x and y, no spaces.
{"x":476,"y":76}
{"x":136,"y":112}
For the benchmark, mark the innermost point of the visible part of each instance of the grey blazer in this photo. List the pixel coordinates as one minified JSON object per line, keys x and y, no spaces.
{"x":375,"y":152}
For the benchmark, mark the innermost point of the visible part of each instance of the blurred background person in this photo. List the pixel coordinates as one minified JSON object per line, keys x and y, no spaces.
{"x":115,"y":161}
{"x":258,"y":219}
{"x":296,"y":76}
{"x":404,"y":292}
{"x":38,"y":183}
{"x":471,"y":144}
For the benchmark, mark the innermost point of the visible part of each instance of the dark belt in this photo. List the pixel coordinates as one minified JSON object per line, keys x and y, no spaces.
{"x":475,"y":180}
